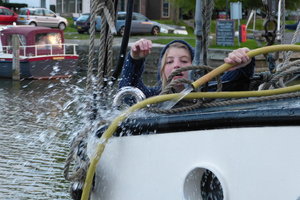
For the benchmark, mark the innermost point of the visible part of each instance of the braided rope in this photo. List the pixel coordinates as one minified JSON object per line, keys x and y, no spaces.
{"x":277,"y":81}
{"x":287,"y":55}
{"x":80,"y":142}
{"x":102,"y":51}
{"x":289,"y":65}
{"x":91,"y":57}
{"x":282,"y":22}
{"x":110,"y":38}
{"x":251,"y":100}
{"x":206,"y":13}
{"x":107,"y":13}
{"x":80,"y":173}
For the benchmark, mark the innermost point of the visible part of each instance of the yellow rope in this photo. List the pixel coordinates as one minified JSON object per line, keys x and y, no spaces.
{"x":158,"y":99}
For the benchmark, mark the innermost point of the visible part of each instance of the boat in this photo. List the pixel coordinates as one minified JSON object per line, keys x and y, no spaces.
{"x":232,"y":146}
{"x":42,"y":53}
{"x":245,"y":148}
{"x":244,"y":151}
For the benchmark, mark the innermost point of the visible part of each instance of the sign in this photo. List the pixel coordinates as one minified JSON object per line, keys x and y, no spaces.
{"x":236,"y":10}
{"x":225,"y":32}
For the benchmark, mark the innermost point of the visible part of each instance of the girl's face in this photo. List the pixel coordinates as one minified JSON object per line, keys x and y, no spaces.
{"x":177,"y":58}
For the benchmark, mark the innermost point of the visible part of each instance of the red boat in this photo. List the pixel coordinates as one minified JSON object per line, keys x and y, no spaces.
{"x":42,"y":53}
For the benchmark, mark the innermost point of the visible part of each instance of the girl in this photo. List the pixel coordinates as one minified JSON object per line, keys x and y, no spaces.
{"x":178,"y":54}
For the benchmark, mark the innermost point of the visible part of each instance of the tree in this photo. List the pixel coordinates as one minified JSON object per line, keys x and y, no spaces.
{"x":189,"y":5}
{"x":185,"y":5}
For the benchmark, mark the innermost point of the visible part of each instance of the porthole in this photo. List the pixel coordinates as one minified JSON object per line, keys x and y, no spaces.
{"x":204,"y":184}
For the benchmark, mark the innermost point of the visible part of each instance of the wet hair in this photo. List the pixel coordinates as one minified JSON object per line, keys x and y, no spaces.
{"x":164,"y":57}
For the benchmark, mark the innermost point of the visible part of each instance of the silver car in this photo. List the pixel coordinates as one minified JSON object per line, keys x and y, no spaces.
{"x":41,"y":17}
{"x":139,"y":24}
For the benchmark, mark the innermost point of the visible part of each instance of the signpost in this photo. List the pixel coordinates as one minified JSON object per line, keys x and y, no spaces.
{"x":225,"y":32}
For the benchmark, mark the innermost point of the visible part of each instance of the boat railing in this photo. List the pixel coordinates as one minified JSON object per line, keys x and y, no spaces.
{"x":44,"y":50}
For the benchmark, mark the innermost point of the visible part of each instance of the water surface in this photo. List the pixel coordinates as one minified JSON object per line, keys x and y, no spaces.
{"x":37,"y":121}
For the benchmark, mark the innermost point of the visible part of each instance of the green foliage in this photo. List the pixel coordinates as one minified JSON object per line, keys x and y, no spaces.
{"x":71,"y":27}
{"x":189,"y":5}
{"x":185,"y":5}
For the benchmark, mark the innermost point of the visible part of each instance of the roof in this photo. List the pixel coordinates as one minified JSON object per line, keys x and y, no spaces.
{"x":25,"y":29}
{"x":28,"y":31}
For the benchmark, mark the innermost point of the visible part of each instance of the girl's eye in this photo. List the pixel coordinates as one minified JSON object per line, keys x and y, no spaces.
{"x":169,"y":61}
{"x":184,"y":61}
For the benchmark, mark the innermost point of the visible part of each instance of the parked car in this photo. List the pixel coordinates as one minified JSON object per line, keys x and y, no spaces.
{"x":139,"y":24}
{"x":41,"y":17}
{"x":83,"y":23}
{"x":7,"y":16}
{"x":292,"y":26}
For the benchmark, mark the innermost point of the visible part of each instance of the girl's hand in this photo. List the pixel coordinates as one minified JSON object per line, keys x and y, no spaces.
{"x":140,"y":49}
{"x":238,"y":57}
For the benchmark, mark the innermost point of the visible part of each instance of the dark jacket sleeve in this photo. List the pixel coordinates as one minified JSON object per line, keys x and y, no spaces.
{"x":132,"y":76}
{"x":235,"y":80}
{"x":239,"y":79}
{"x":241,"y":73}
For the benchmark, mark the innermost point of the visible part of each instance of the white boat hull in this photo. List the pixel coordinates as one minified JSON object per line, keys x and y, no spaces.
{"x":250,"y":163}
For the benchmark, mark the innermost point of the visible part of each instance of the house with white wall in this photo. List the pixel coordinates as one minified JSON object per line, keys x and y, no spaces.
{"x":153,"y":9}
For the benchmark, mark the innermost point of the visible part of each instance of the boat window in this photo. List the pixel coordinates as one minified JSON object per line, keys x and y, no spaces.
{"x":22,"y":40}
{"x":46,"y":40}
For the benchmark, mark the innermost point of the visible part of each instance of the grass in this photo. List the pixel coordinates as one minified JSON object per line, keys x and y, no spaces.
{"x":250,"y":43}
{"x":189,"y":29}
{"x":71,"y":33}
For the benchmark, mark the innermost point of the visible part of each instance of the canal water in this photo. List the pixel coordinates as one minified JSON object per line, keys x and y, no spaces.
{"x":38,"y":119}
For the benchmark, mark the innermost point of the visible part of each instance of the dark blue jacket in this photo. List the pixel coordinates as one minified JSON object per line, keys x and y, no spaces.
{"x":133,"y":69}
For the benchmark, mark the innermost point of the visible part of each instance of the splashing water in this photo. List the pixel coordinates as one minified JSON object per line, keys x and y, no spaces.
{"x":38,"y":119}
{"x":170,"y":104}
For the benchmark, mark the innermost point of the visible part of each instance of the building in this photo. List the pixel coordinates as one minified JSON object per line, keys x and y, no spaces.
{"x":49,"y":4}
{"x":153,"y":9}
